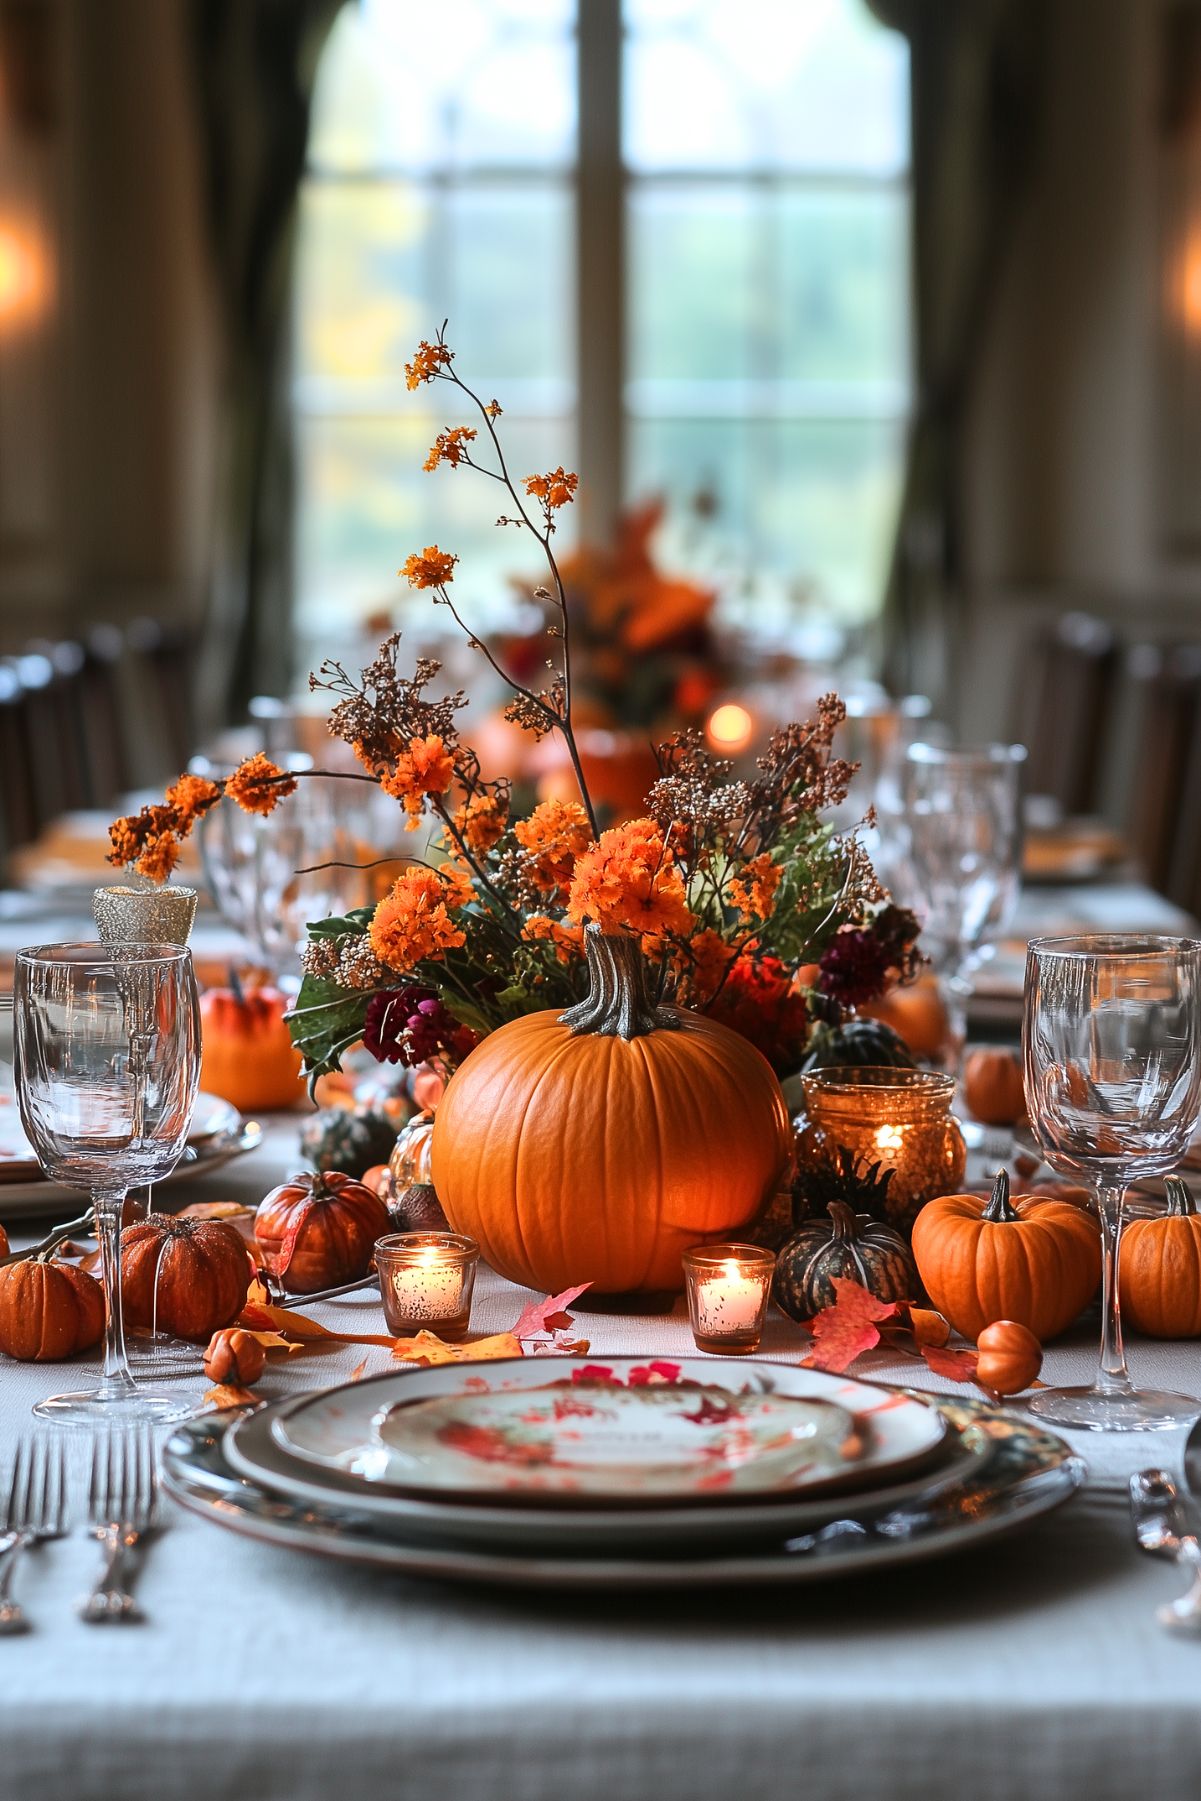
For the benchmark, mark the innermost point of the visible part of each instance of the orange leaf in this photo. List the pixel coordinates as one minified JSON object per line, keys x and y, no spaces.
{"x":848,"y":1328}
{"x":356,"y":1373}
{"x":428,"y":1348}
{"x":228,"y":1394}
{"x":956,"y":1366}
{"x":928,"y":1327}
{"x":298,"y":1326}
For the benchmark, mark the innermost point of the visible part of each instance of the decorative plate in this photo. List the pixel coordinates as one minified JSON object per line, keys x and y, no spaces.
{"x":1030,"y":1473}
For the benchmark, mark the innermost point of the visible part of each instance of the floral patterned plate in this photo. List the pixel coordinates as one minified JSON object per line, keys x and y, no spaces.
{"x":341,"y":1431}
{"x":611,"y":1442}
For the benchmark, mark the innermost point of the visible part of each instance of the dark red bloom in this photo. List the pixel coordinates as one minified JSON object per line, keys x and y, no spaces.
{"x":411,"y":1026}
{"x":854,"y":968}
{"x":758,"y":1000}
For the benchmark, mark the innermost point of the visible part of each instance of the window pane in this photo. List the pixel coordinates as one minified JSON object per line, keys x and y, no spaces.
{"x":695,"y":309}
{"x":408,"y":85}
{"x":786,"y":84}
{"x":812,"y":503}
{"x":843,"y":262}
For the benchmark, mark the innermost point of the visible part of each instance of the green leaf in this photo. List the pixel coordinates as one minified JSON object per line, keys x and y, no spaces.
{"x":353,"y":924}
{"x":326,"y":1021}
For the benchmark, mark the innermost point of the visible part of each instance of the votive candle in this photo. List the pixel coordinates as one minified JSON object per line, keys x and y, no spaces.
{"x":728,"y":1289}
{"x":426,"y":1281}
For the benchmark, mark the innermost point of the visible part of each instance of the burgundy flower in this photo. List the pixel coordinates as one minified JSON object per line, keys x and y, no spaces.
{"x":411,"y":1025}
{"x":854,"y":967}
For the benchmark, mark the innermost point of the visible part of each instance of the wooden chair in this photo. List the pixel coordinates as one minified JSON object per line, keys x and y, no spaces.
{"x":1066,"y":682}
{"x":165,"y":657}
{"x":1163,"y":807}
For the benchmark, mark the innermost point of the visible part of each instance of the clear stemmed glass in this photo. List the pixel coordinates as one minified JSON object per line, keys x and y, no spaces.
{"x":107,"y":1061}
{"x":962,"y":818}
{"x":1112,"y":1041}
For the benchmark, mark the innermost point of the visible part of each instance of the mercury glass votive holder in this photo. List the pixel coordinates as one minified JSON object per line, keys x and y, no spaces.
{"x":128,"y":915}
{"x":897,"y":1119}
{"x":426,"y":1280}
{"x":728,"y":1287}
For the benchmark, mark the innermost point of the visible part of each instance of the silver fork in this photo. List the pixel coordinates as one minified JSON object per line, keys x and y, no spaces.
{"x":122,"y":1501}
{"x":36,"y":1509}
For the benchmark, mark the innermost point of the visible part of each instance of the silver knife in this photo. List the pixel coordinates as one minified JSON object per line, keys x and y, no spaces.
{"x":1161,"y":1527}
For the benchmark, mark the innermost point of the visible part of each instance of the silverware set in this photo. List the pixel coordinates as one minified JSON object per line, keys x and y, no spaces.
{"x":122,"y":1505}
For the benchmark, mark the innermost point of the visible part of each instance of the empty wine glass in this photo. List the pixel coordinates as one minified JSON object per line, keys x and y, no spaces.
{"x":107,"y":1062}
{"x":962,"y":827}
{"x":1112,"y":1043}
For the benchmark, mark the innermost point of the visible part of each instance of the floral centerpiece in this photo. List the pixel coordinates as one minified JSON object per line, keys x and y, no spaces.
{"x":747,"y":904}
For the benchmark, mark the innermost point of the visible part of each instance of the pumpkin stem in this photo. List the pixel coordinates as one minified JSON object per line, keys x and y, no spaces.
{"x":618,"y":1004}
{"x":1181,"y":1204}
{"x":845,"y":1225}
{"x":1000,"y":1209}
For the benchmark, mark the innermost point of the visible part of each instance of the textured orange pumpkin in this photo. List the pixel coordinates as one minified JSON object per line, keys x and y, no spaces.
{"x":3,"y":1242}
{"x":319,"y":1231}
{"x":1010,"y":1357}
{"x":1159,"y":1275}
{"x":247,"y":1054}
{"x":183,"y":1276}
{"x":599,"y":1144}
{"x":48,"y":1311}
{"x":1037,"y":1262}
{"x":993,"y":1087}
{"x":234,"y":1356}
{"x":915,"y":1011}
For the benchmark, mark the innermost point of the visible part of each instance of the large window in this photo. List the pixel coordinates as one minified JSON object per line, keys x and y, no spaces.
{"x":753,"y":326}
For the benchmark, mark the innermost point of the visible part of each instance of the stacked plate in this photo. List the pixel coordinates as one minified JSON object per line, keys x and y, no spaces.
{"x":630,"y":1473}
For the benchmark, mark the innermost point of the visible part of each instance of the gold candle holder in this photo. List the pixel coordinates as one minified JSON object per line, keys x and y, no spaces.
{"x":900,"y":1119}
{"x":127,"y":915}
{"x":426,"y":1280}
{"x":728,"y":1290}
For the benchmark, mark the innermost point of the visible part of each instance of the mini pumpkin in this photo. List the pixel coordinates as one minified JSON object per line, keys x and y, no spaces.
{"x":993,"y":1086}
{"x":319,"y":1231}
{"x":601,"y":1143}
{"x":3,"y":1242}
{"x":183,"y":1276}
{"x":846,"y":1244}
{"x":348,"y":1141}
{"x":858,"y":1041}
{"x":1037,"y":1262}
{"x":916,"y":1011}
{"x":1010,"y":1357}
{"x":410,"y":1158}
{"x":233,"y":1355}
{"x":1159,"y":1276}
{"x":48,"y":1310}
{"x":247,"y":1054}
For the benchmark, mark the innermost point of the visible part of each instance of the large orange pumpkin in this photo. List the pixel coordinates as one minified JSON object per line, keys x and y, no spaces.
{"x":599,"y":1144}
{"x":1037,"y":1262}
{"x":319,"y":1231}
{"x":183,"y":1276}
{"x":1159,"y":1275}
{"x":247,"y":1054}
{"x":48,"y":1310}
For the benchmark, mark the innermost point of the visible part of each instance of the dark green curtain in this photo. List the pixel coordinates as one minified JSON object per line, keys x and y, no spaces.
{"x":976,"y":81}
{"x":254,"y":63}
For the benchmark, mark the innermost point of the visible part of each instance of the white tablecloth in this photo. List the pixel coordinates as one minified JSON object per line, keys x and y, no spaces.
{"x":1034,"y":1669}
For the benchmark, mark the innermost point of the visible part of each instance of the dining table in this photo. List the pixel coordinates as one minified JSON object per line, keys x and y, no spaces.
{"x":1034,"y":1666}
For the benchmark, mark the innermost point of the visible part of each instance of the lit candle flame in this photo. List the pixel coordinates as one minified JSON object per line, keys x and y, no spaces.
{"x":889,"y":1138}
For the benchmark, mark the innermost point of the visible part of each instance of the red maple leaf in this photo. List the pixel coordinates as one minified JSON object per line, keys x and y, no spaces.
{"x":545,"y":1316}
{"x":848,"y":1328}
{"x":644,"y":1374}
{"x":956,"y":1366}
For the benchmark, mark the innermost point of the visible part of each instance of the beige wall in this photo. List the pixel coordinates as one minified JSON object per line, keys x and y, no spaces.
{"x":130,"y":385}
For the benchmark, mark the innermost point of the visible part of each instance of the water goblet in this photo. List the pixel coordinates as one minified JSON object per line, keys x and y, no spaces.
{"x":107,"y":1063}
{"x":1112,"y":1046}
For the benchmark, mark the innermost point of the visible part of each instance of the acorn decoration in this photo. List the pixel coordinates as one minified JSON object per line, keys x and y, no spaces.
{"x":847,"y":1244}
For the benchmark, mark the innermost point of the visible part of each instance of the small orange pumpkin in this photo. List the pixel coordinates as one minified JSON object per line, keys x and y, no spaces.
{"x":599,"y":1144}
{"x":48,"y":1311}
{"x":247,"y":1054}
{"x":916,"y":1012}
{"x":1159,"y":1275}
{"x":1010,"y":1357}
{"x":993,"y":1086}
{"x":318,"y":1231}
{"x":183,"y":1276}
{"x":234,"y":1356}
{"x":1038,"y":1262}
{"x":3,"y":1242}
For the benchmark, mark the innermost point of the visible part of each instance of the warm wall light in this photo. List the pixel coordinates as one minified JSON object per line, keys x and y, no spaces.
{"x":24,"y":275}
{"x":730,"y":728}
{"x":1190,"y":284}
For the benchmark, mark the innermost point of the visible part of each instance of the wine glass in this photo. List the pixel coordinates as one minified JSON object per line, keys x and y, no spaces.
{"x":962,"y":821}
{"x":107,"y":1062}
{"x":1112,"y":1043}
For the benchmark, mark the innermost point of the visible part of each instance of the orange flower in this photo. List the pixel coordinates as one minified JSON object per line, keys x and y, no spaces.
{"x":428,"y":361}
{"x":126,"y":841}
{"x":481,"y":821}
{"x":189,"y":797}
{"x":159,"y":856}
{"x":427,"y":767}
{"x":432,"y":569}
{"x":554,"y":489}
{"x":708,"y":958}
{"x":258,"y":784}
{"x":754,"y":889}
{"x":568,"y":940}
{"x":451,"y":446}
{"x":554,"y":835}
{"x":413,"y":921}
{"x":629,"y":881}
